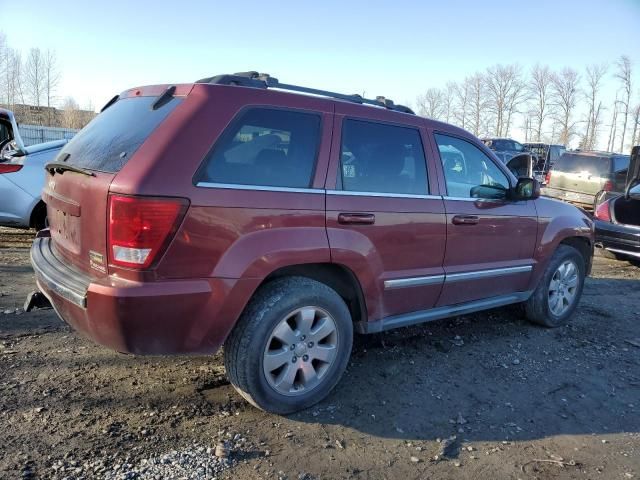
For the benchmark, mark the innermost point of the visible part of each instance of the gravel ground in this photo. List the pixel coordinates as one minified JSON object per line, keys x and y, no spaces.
{"x":479,"y":396}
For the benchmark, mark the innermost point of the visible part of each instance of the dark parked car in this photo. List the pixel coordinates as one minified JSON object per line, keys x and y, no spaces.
{"x":514,"y":155}
{"x":578,"y":176}
{"x":618,"y":216}
{"x":505,"y":146}
{"x":547,"y":155}
{"x":277,"y":223}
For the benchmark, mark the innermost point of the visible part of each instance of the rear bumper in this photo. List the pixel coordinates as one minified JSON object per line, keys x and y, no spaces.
{"x":623,"y":239}
{"x":161,"y":317}
{"x":581,"y":199}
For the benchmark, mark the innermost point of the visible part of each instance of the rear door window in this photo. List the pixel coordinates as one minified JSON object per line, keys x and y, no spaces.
{"x":381,"y":158}
{"x":266,"y":147}
{"x":108,"y":142}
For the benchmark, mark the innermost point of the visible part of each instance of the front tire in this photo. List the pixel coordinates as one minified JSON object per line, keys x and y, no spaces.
{"x":290,"y":346}
{"x":557,"y":295}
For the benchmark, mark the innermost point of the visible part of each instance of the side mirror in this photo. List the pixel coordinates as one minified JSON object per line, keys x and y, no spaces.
{"x":526,"y":189}
{"x":489,"y":192}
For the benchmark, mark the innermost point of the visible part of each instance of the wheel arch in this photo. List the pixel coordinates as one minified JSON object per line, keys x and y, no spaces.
{"x":582,"y":245}
{"x":336,"y":276}
{"x":39,"y":209}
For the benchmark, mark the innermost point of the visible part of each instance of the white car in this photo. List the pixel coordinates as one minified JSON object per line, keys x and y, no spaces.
{"x":22,"y":176}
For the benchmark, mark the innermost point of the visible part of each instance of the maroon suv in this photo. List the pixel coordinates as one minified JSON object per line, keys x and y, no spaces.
{"x":238,"y":211}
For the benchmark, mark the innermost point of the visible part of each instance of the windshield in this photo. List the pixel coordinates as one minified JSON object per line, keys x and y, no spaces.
{"x":108,"y":142}
{"x":507,"y":145}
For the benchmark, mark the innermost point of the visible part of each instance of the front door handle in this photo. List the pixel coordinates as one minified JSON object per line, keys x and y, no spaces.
{"x":357,"y":218}
{"x":465,"y":220}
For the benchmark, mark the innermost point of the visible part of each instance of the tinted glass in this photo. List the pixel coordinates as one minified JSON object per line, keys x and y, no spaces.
{"x":4,"y":132}
{"x":506,"y":145}
{"x":575,"y":162}
{"x":620,"y":164}
{"x":266,"y":147}
{"x":108,"y":142}
{"x":382,"y":158}
{"x":467,"y":167}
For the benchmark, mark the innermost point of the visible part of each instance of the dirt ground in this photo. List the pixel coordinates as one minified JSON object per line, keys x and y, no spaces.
{"x":481,"y":396}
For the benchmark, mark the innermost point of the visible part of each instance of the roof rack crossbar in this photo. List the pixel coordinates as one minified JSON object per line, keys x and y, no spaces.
{"x":264,"y":80}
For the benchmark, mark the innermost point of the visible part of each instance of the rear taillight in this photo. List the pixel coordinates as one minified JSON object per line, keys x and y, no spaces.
{"x":9,"y":167}
{"x":140,"y":228}
{"x":603,"y":211}
{"x":547,"y":178}
{"x":608,"y":186}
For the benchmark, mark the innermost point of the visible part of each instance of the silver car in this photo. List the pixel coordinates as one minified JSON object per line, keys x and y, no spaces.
{"x":22,"y":176}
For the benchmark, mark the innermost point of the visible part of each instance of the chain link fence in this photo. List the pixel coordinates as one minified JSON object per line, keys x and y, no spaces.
{"x":32,"y":134}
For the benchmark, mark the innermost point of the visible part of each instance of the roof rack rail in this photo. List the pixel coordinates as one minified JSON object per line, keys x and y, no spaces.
{"x":264,"y":80}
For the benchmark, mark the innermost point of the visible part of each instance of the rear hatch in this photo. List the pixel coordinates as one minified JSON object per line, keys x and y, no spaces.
{"x":76,"y":189}
{"x":585,"y":174}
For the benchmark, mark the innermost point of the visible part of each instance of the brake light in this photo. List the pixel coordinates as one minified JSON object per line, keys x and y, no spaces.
{"x":608,"y":186}
{"x":547,"y":178}
{"x":140,"y":228}
{"x":603,"y":211}
{"x":9,"y":167}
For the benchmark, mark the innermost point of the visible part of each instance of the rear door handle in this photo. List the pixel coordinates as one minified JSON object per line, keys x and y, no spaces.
{"x":357,"y":218}
{"x":465,"y":220}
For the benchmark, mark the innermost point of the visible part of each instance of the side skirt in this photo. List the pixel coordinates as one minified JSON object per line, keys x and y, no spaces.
{"x":438,"y":313}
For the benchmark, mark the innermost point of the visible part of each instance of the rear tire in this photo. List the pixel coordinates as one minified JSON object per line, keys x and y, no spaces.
{"x":558,"y":293}
{"x":39,"y":217}
{"x":290,"y":346}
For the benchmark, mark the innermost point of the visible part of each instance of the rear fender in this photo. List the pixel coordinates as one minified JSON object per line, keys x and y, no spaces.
{"x":257,"y":254}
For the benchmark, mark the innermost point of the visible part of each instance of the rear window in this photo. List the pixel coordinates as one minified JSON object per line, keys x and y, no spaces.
{"x":108,"y":142}
{"x":571,"y":162}
{"x":266,"y":147}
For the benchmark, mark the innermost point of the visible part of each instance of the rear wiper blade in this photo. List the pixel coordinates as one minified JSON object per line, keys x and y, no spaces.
{"x":56,"y":167}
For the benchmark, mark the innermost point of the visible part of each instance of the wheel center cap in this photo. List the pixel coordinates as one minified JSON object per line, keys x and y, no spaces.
{"x":301,"y":349}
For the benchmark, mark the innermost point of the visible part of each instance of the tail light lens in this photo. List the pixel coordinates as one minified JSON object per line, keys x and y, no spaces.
{"x":603,"y":211}
{"x":9,"y":167}
{"x":608,"y":186}
{"x":140,"y":228}
{"x":547,"y":178}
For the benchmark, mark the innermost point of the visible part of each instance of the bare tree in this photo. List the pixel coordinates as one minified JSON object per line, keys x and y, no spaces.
{"x":517,"y":96}
{"x":540,"y":92}
{"x":35,"y":76}
{"x":477,"y":102}
{"x":462,"y":99}
{"x":623,"y":74}
{"x":4,"y":63}
{"x":71,"y":115}
{"x":431,"y":104}
{"x":636,"y":126}
{"x":51,"y":79}
{"x":594,"y":76}
{"x":448,"y":98}
{"x":503,"y":87}
{"x":612,"y":130}
{"x":565,"y":92}
{"x":14,"y":79}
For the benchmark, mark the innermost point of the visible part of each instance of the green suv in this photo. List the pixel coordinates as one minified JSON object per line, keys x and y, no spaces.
{"x":578,"y":176}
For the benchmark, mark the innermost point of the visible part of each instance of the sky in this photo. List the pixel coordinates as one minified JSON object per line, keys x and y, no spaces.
{"x":393,"y":48}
